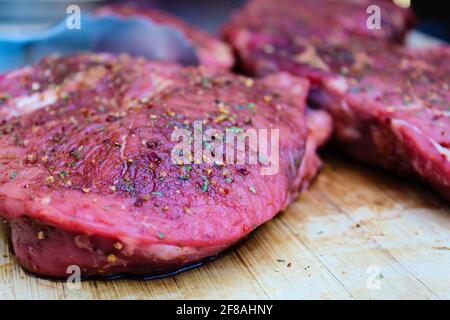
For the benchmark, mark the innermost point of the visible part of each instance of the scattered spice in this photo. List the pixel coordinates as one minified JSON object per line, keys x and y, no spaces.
{"x":151,"y":144}
{"x":139,"y":202}
{"x":41,"y":235}
{"x":243,"y":172}
{"x":31,"y":157}
{"x":63,"y":175}
{"x":249,"y":82}
{"x":65,"y":96}
{"x":206,"y":82}
{"x":267,"y":98}
{"x":247,"y":120}
{"x":205,"y":184}
{"x":144,"y":100}
{"x":118,"y":246}
{"x":75,"y":154}
{"x":223,"y":110}
{"x":50,"y":180}
{"x":170,"y":113}
{"x":4,"y":96}
{"x":35,"y":86}
{"x":12,"y":175}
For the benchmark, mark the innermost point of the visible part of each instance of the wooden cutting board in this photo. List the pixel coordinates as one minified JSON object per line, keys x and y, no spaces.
{"x":356,"y":233}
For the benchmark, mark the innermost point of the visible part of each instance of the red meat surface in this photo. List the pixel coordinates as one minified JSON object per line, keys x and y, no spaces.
{"x":321,"y":18}
{"x":390,"y":105}
{"x":86,"y":175}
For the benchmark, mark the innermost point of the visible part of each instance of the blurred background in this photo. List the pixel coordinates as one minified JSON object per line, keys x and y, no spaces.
{"x":209,"y":14}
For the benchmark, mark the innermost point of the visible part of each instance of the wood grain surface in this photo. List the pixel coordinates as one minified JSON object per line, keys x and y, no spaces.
{"x":357,"y":233}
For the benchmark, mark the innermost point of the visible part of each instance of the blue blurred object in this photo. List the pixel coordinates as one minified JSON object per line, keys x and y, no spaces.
{"x":113,"y":34}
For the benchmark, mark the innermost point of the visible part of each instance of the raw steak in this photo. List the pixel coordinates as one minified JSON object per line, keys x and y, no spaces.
{"x":211,"y":51}
{"x":321,"y":18}
{"x":390,"y":105}
{"x":87,"y":178}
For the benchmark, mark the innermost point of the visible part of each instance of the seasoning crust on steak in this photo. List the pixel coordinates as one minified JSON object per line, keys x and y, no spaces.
{"x":86,"y":175}
{"x":390,"y":105}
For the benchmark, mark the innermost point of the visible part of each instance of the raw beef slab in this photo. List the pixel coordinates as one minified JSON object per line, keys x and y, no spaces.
{"x":394,"y":112}
{"x":86,"y":175}
{"x":390,"y":105}
{"x":322,"y":18}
